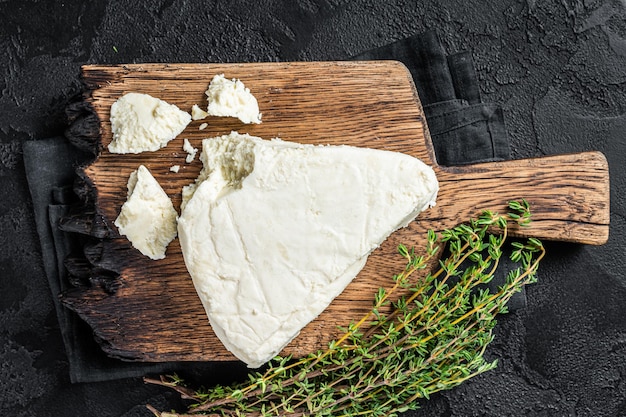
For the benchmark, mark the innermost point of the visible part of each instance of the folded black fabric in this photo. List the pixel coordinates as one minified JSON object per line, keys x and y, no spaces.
{"x":463,"y":129}
{"x":464,"y":80}
{"x":467,"y":133}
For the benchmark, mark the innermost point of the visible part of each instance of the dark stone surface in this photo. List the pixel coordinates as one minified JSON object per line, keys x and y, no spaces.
{"x":558,"y":69}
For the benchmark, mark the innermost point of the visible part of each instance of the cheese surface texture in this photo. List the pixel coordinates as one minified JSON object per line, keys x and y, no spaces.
{"x":231,"y":98}
{"x":273,"y":231}
{"x":148,"y":217}
{"x":140,"y":123}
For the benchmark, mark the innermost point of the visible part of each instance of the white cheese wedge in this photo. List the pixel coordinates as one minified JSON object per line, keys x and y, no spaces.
{"x":148,"y":217}
{"x":231,"y":98}
{"x":140,"y":123}
{"x":273,"y":231}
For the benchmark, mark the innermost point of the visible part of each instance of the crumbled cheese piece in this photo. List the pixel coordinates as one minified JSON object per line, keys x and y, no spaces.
{"x":191,"y":151}
{"x":203,"y":126}
{"x":231,"y":98}
{"x":148,"y":218}
{"x":197,"y":113}
{"x":273,"y":231}
{"x":175,"y":168}
{"x":140,"y":122}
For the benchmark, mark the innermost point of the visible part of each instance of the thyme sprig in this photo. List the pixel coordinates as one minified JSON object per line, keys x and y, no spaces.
{"x":430,"y":338}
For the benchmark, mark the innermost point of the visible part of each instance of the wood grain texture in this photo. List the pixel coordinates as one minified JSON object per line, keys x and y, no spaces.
{"x":156,"y":314}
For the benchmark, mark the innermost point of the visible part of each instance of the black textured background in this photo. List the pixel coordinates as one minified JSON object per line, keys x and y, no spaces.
{"x":557,"y":67}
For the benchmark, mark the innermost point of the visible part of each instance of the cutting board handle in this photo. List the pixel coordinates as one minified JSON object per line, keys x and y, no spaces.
{"x":568,"y":194}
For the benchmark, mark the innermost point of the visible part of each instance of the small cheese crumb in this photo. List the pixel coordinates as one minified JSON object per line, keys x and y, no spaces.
{"x":197,"y":113}
{"x":175,"y":168}
{"x":191,"y":151}
{"x":231,"y":98}
{"x":203,"y":126}
{"x":148,"y":218}
{"x":140,"y":122}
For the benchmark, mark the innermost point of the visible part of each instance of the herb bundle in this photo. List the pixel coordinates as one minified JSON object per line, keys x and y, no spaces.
{"x":431,"y":338}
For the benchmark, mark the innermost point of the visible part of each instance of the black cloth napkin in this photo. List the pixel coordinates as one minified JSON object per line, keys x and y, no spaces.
{"x":463,"y":129}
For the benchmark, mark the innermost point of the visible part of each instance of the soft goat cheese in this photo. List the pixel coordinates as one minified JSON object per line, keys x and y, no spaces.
{"x":273,"y":231}
{"x":148,"y":217}
{"x":191,"y":151}
{"x":140,"y":122}
{"x":231,"y":98}
{"x":197,"y":113}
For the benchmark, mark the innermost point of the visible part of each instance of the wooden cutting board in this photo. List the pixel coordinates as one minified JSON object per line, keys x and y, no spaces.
{"x":156,"y":314}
